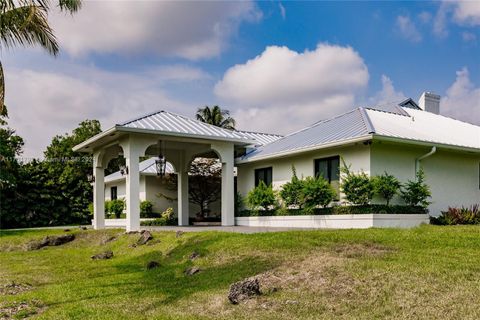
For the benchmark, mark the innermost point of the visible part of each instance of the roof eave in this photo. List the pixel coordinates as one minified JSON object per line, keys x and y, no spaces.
{"x":426,"y":143}
{"x":303,"y":150}
{"x":86,"y":144}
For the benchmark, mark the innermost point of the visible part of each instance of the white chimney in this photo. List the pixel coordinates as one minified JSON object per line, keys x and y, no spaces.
{"x":430,"y":102}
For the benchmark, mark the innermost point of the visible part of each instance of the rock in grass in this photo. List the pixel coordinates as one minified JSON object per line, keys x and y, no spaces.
{"x":242,"y":290}
{"x":178,"y":234}
{"x":50,"y":241}
{"x":109,"y":239}
{"x":103,"y":256}
{"x":192,"y":270}
{"x":194,"y":255}
{"x":144,"y":237}
{"x":152,"y":265}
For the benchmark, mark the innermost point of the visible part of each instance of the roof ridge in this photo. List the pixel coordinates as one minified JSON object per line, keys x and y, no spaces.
{"x":366,"y":120}
{"x":140,"y":118}
{"x":270,"y":134}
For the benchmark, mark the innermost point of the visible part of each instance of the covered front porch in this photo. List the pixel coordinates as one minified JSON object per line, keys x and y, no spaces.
{"x":175,"y":139}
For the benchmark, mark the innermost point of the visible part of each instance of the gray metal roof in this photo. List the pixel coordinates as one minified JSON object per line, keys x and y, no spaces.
{"x":165,"y":121}
{"x":147,"y":167}
{"x":260,"y":137}
{"x":404,"y":121}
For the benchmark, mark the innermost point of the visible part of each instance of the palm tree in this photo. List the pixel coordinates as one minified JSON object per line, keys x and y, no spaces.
{"x":24,"y":23}
{"x":216,"y":116}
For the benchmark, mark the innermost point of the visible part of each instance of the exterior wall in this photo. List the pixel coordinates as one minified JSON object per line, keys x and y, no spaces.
{"x":121,"y":191}
{"x":452,"y":176}
{"x":344,"y":221}
{"x":357,"y":155}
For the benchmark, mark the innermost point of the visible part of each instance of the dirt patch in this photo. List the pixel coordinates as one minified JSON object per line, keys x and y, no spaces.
{"x":22,"y":309}
{"x":359,"y":250}
{"x":14,"y":288}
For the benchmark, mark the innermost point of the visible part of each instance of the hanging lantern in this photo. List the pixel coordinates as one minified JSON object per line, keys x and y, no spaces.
{"x":90,"y":178}
{"x":161,"y":161}
{"x":124,"y":170}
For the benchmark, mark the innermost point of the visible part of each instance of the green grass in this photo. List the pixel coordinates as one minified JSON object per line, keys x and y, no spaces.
{"x":426,"y":272}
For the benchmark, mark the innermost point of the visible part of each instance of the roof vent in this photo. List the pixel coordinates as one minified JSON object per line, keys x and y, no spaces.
{"x":430,"y":102}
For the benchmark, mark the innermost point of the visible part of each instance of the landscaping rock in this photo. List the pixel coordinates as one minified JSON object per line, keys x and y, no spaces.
{"x":82,"y":227}
{"x":194,"y":255}
{"x":107,"y":240}
{"x":178,"y":234}
{"x":66,"y":230}
{"x":102,"y":256}
{"x":152,"y":265}
{"x":50,"y":241}
{"x":145,"y":237}
{"x":243,"y":290}
{"x":192,"y":270}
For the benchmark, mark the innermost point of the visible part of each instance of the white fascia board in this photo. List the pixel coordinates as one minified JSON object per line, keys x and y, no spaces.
{"x":99,"y":136}
{"x":289,"y":153}
{"x":426,"y":143}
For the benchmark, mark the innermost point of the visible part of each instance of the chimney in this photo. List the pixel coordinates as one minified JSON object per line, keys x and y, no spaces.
{"x":430,"y":102}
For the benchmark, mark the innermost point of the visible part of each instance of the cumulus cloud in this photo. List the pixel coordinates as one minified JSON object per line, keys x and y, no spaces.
{"x":469,"y":36}
{"x":464,"y":13}
{"x":283,"y":90}
{"x":191,"y":30}
{"x":407,"y":29}
{"x":43,"y":104}
{"x":387,"y":94}
{"x":462,"y":100}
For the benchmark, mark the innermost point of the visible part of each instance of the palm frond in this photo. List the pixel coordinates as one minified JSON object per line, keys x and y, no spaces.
{"x":70,"y":5}
{"x":3,"y":109}
{"x":25,"y":26}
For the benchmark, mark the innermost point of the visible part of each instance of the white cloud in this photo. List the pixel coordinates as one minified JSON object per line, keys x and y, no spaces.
{"x":462,"y":100}
{"x":408,"y":29}
{"x":282,"y":90}
{"x":283,"y":12}
{"x":467,"y":12}
{"x":425,"y":17}
{"x":44,"y":104}
{"x":192,"y":30}
{"x":387,"y":93}
{"x":440,"y":21}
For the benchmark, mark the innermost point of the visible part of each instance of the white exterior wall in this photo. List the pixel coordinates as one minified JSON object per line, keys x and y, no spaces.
{"x":121,"y":191}
{"x":357,"y":155}
{"x":452,"y":176}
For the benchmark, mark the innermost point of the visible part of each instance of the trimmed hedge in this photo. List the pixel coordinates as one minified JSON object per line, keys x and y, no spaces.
{"x":362,"y":209}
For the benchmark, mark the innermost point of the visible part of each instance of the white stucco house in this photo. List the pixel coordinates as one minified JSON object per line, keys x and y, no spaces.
{"x":396,"y":137}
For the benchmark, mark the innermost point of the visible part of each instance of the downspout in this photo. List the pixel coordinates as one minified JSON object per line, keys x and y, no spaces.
{"x":417,"y":161}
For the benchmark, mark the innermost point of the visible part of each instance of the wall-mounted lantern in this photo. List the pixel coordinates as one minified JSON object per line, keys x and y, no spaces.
{"x":124,"y":170}
{"x":90,"y":178}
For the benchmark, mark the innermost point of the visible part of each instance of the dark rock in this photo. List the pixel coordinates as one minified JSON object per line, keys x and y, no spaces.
{"x":131,"y":232}
{"x":50,"y":241}
{"x":145,"y":237}
{"x":194,"y":255}
{"x":102,"y":256}
{"x":192,"y":270}
{"x":109,"y":239}
{"x":82,"y":227}
{"x":178,"y":234}
{"x":152,"y":265}
{"x":66,"y":230}
{"x":243,"y":290}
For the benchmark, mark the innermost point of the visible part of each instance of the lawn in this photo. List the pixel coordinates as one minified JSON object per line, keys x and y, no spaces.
{"x":426,"y":272}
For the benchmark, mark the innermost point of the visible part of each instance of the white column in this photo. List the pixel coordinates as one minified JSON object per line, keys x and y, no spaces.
{"x":225,"y":150}
{"x":132,"y":154}
{"x":182,"y":182}
{"x":98,"y":194}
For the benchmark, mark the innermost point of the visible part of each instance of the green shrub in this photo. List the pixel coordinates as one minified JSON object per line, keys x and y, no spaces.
{"x":90,"y":209}
{"x":336,"y":210}
{"x":386,"y":186}
{"x":262,"y":197}
{"x":357,"y":187}
{"x":291,"y":192}
{"x":146,"y":209}
{"x":107,"y":208}
{"x":463,"y":215}
{"x":116,"y":207}
{"x":416,"y":193}
{"x":239,"y":203}
{"x":316,"y":192}
{"x":166,"y":219}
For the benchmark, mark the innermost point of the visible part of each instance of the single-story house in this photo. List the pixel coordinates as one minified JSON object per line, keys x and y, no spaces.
{"x":398,"y":138}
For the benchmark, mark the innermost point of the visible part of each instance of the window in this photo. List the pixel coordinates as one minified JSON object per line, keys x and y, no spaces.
{"x":329,"y":169}
{"x":263,"y":174}
{"x":113,"y":193}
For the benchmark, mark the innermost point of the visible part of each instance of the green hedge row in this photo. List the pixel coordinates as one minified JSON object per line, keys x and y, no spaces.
{"x":362,"y":209}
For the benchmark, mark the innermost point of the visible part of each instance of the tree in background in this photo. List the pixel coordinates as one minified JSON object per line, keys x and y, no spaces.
{"x":204,"y":183}
{"x":25,"y":23}
{"x":216,"y":116}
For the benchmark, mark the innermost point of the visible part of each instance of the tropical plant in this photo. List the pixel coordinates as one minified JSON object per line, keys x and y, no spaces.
{"x":146,"y":209}
{"x":262,"y":196}
{"x":216,"y":116}
{"x":386,"y":185}
{"x":25,"y":23}
{"x":316,"y":191}
{"x":291,"y":192}
{"x":116,"y":207}
{"x":357,"y":187}
{"x":416,"y":193}
{"x":463,"y":215}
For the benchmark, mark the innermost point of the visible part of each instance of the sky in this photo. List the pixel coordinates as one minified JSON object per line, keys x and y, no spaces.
{"x":277,"y":66}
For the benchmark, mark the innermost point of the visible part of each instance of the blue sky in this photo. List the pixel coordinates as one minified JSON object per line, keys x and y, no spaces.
{"x":277,"y":66}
